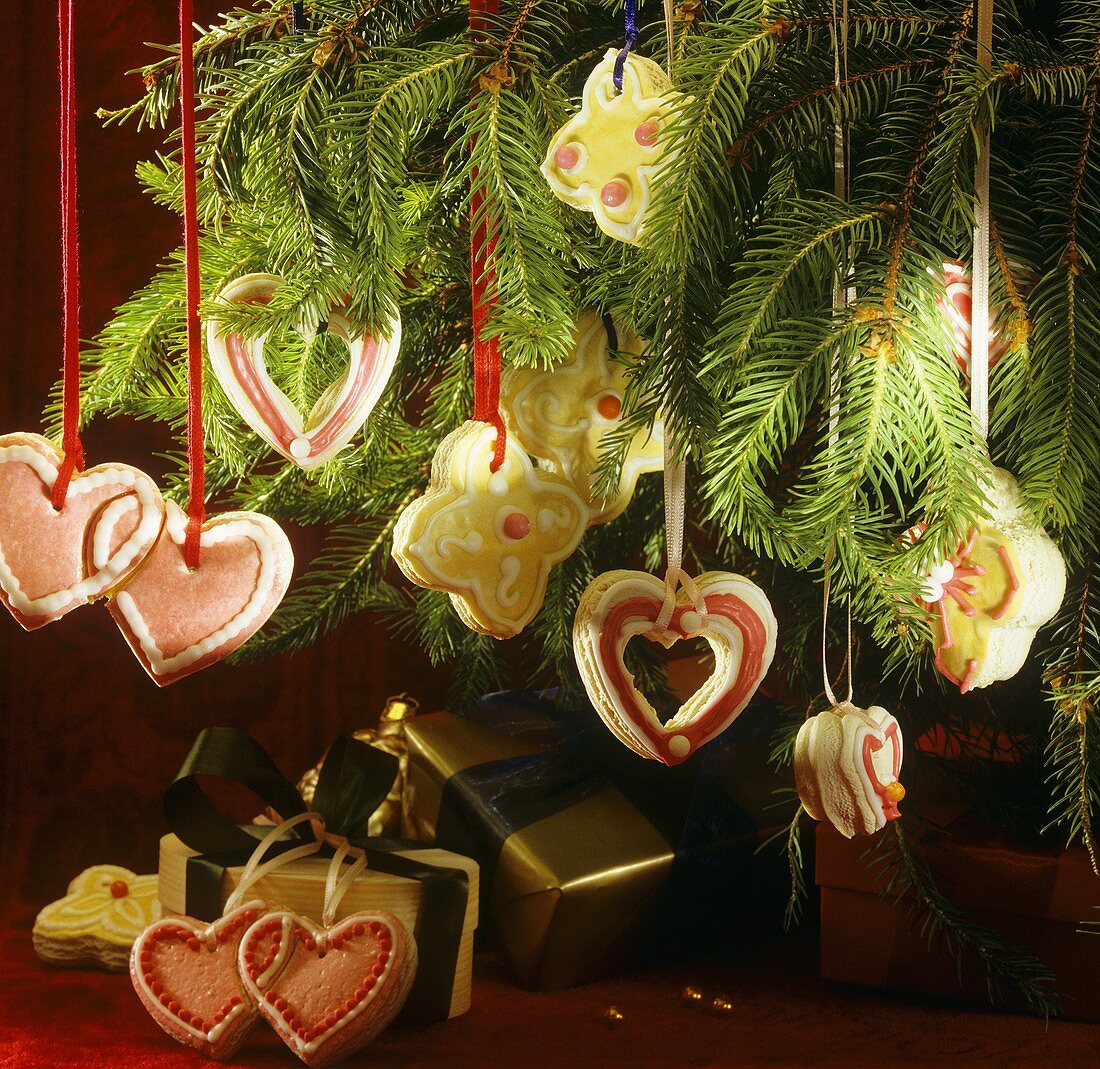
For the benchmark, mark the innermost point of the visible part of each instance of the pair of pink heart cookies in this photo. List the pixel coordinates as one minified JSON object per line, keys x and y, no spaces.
{"x":116,"y":537}
{"x":327,"y":992}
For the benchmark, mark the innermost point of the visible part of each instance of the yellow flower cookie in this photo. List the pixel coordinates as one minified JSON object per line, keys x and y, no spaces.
{"x":1005,"y":581}
{"x":488,"y":538}
{"x":562,"y":415}
{"x":96,"y":923}
{"x":604,"y":159}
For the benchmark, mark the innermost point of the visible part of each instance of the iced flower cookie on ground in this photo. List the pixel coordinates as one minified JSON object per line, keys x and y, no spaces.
{"x":1006,"y":580}
{"x":95,"y":924}
{"x":604,"y":159}
{"x":487,"y":538}
{"x":561,"y":415}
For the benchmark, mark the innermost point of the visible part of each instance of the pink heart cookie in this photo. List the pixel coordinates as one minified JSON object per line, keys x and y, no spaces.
{"x":51,"y":561}
{"x":185,"y":973}
{"x":179,"y":621}
{"x":328,"y":992}
{"x":239,"y":364}
{"x":739,"y":626}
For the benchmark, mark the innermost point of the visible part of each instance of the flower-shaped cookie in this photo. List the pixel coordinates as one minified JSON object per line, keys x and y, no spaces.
{"x":488,"y":538}
{"x":1006,"y":580}
{"x":561,"y":415}
{"x":105,"y":910}
{"x":603,"y":160}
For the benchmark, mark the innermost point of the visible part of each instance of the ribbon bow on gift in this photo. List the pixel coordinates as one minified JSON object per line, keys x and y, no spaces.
{"x":351,"y":784}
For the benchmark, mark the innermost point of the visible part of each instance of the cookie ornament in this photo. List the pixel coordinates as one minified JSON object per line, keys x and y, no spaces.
{"x":561,"y":415}
{"x":489,"y":538}
{"x":957,"y":304}
{"x":53,"y":560}
{"x":104,"y":910}
{"x":605,"y":159}
{"x":328,"y":990}
{"x":846,"y":766}
{"x":1006,"y":579}
{"x":342,"y":409}
{"x":179,"y":620}
{"x":729,"y":611}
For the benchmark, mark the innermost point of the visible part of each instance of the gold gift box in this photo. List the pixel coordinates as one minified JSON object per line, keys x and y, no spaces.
{"x":300,"y":886}
{"x":572,"y":895}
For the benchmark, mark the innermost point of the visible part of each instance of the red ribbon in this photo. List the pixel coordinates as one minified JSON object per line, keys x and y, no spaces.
{"x":71,"y":444}
{"x":196,"y":458}
{"x":482,"y":248}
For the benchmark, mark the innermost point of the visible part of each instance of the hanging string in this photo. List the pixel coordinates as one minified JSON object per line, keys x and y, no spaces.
{"x":196,"y":459}
{"x":482,"y":249}
{"x":979,"y":321}
{"x":257,"y":868}
{"x":829,"y":693}
{"x":71,"y":444}
{"x":631,"y":39}
{"x":336,"y":885}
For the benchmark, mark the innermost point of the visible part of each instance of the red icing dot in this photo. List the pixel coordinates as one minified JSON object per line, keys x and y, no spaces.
{"x":173,"y":1006}
{"x":120,"y":889}
{"x":609,"y":406}
{"x":646,"y":133}
{"x":516,"y":526}
{"x":163,"y":999}
{"x":349,"y":1005}
{"x":369,"y":982}
{"x":567,"y":157}
{"x":193,"y":944}
{"x":376,"y":926}
{"x":383,"y":958}
{"x":235,"y":1001}
{"x":378,"y":969}
{"x":384,"y":943}
{"x":359,"y":928}
{"x":280,"y":1004}
{"x":615,"y":193}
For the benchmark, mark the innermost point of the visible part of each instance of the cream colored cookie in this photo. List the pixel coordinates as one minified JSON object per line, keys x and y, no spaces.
{"x":604,"y":159}
{"x":1004,"y":582}
{"x":561,"y":415}
{"x":488,"y":538}
{"x":846,"y":767}
{"x":95,"y":924}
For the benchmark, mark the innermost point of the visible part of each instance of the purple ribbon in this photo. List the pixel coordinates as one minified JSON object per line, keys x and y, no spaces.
{"x":631,"y":41}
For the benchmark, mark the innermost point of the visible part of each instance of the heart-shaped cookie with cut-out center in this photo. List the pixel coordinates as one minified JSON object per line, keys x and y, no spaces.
{"x":739,"y":626}
{"x":339,"y":413}
{"x":179,"y":620}
{"x":328,"y":992}
{"x":55,"y":560}
{"x":185,"y":973}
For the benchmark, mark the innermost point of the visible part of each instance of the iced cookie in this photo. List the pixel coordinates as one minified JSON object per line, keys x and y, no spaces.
{"x":52,"y":561}
{"x":738,"y":625}
{"x":561,"y":415}
{"x":105,"y":909}
{"x":488,"y":538}
{"x":177,"y":620}
{"x":846,"y":767}
{"x":328,"y":992}
{"x":1006,"y":580}
{"x":957,"y":304}
{"x":604,"y":159}
{"x":342,"y":409}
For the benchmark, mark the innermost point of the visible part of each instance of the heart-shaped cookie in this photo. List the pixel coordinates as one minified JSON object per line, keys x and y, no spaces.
{"x":328,"y":991}
{"x":179,"y":621}
{"x":185,"y":973}
{"x":739,"y":626}
{"x":341,"y":410}
{"x":846,"y":766}
{"x":52,"y":561}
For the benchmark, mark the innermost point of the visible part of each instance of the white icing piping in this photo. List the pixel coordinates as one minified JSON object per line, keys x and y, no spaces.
{"x":115,"y":566}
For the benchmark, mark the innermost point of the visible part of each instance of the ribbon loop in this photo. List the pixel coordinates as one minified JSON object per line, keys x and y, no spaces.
{"x":675,"y":476}
{"x":256,"y":868}
{"x":631,"y":39}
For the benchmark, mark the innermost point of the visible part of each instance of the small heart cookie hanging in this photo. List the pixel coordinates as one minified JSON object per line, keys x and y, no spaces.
{"x":342,"y":409}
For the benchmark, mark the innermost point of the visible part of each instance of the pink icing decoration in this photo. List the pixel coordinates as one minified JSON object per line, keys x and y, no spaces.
{"x":517,"y":526}
{"x":646,"y":133}
{"x":615,"y":193}
{"x":567,"y":157}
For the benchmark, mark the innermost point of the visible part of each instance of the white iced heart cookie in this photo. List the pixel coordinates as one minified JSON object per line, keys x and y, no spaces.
{"x":53,"y":561}
{"x":488,"y":538}
{"x":341,"y":410}
{"x":1006,"y":580}
{"x":605,"y":158}
{"x":739,"y":626}
{"x":104,"y":910}
{"x":846,"y":767}
{"x":561,"y":415}
{"x":178,"y":620}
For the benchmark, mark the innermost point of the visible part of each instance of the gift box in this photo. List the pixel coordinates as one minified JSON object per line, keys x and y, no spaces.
{"x":434,"y":892}
{"x":589,"y":853}
{"x":1036,"y":896}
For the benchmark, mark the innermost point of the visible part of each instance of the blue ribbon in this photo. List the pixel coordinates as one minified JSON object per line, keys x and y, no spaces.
{"x":631,"y":41}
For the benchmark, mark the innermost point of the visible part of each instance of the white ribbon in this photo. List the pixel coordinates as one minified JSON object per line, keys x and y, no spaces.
{"x":979,"y":315}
